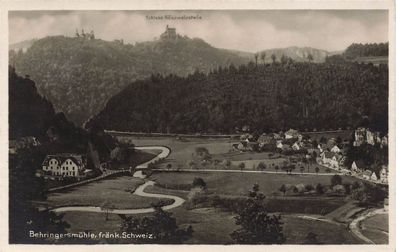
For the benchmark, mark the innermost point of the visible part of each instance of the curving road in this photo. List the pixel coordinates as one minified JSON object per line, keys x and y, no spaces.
{"x":354,"y":225}
{"x":165,"y":151}
{"x":139,"y":191}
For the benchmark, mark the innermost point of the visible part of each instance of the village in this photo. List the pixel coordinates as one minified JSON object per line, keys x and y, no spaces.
{"x":330,"y":153}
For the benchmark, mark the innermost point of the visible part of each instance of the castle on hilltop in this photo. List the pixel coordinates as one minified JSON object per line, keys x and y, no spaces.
{"x":170,"y":33}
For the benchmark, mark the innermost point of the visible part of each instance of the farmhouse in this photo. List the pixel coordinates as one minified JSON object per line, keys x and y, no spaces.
{"x":64,"y":165}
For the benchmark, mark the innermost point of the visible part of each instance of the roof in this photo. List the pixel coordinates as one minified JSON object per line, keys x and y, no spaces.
{"x":328,"y":154}
{"x":360,"y":163}
{"x":62,"y":157}
{"x":367,"y":172}
{"x":291,"y":132}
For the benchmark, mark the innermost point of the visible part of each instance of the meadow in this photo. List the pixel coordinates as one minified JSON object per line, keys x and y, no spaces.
{"x":115,"y":191}
{"x":241,"y":183}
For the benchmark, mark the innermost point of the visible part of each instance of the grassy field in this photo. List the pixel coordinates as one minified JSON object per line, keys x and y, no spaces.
{"x":182,"y":149}
{"x":116,"y":191}
{"x":241,"y":183}
{"x":374,"y":228}
{"x":213,"y":226}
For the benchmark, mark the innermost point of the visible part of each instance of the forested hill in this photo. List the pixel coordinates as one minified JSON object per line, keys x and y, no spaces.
{"x":29,"y":113}
{"x":78,"y":75}
{"x":366,"y":50}
{"x":266,"y":97}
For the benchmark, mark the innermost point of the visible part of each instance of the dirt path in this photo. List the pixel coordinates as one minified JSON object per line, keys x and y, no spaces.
{"x":139,"y":191}
{"x":354,"y":225}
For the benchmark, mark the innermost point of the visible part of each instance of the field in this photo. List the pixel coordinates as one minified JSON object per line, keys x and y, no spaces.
{"x":376,"y":228}
{"x":116,"y":191}
{"x":241,"y":183}
{"x":182,"y":149}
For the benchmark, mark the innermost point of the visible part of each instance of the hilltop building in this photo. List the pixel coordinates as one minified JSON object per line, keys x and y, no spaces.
{"x":169,"y":34}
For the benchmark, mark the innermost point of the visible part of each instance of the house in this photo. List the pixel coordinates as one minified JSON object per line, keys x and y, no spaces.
{"x":335,"y":149}
{"x":358,"y":166}
{"x":265,"y":139}
{"x":291,"y":133}
{"x":327,"y":157}
{"x":370,"y":137}
{"x":64,"y":165}
{"x":383,"y":177}
{"x":360,"y":136}
{"x":374,"y":176}
{"x":279,"y":144}
{"x":296,"y":146}
{"x":367,"y":174}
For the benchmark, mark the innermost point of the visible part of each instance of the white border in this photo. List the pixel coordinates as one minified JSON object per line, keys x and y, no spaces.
{"x":7,"y":5}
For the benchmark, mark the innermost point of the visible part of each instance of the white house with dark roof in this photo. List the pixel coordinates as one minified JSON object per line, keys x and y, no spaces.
{"x":335,"y":149}
{"x":383,"y":177}
{"x":64,"y":165}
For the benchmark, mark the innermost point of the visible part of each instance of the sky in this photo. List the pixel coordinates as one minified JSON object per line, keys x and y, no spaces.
{"x":244,"y":30}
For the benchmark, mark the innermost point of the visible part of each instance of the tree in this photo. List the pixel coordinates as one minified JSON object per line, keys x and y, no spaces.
{"x":255,"y":191}
{"x":310,"y":57}
{"x":319,"y":189}
{"x":323,"y":140}
{"x":256,"y":225}
{"x":199,"y":182}
{"x":168,"y":166}
{"x":284,"y":60}
{"x":309,"y":187}
{"x":162,"y":226}
{"x":317,"y":169}
{"x":241,"y":166}
{"x":256,"y":55}
{"x":107,"y":207}
{"x":191,"y":164}
{"x":336,"y":180}
{"x":283,"y":189}
{"x":302,"y":169}
{"x":228,"y":163}
{"x":262,"y":56}
{"x":262,"y":166}
{"x":276,"y":168}
{"x":201,"y":151}
{"x":273,"y":57}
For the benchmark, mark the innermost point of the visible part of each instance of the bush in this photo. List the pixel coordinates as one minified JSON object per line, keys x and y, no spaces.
{"x":336,"y":180}
{"x":199,"y":182}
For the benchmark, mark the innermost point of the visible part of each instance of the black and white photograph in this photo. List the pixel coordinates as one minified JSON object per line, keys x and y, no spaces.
{"x":198,"y":127}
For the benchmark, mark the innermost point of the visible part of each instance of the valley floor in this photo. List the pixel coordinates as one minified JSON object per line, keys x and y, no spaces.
{"x":301,"y":214}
